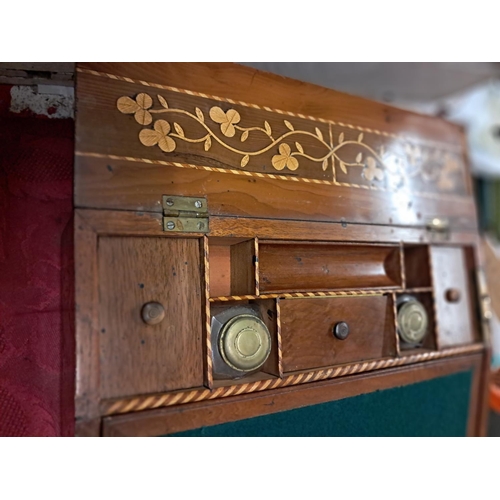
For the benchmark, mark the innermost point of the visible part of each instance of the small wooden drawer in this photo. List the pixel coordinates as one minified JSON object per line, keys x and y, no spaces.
{"x":295,"y":266}
{"x":142,"y":353}
{"x":455,"y":319}
{"x":307,"y":328}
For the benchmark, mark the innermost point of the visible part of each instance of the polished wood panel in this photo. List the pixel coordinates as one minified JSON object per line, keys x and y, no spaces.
{"x":319,"y":267}
{"x":310,"y":161}
{"x":136,"y":357}
{"x":307,"y":331}
{"x":129,"y":185}
{"x":146,"y":223}
{"x":449,"y":271}
{"x":205,"y":131}
{"x":194,"y":415}
{"x":262,"y":88}
{"x":241,"y":82}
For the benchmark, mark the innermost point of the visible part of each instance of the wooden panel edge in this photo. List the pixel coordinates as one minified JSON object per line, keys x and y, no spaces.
{"x":86,"y":335}
{"x":141,"y":403}
{"x":170,"y":420}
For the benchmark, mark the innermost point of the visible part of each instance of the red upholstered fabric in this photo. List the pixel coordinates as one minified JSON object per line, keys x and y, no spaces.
{"x":36,"y":352}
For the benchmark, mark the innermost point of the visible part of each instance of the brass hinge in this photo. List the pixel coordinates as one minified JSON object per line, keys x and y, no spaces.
{"x":439,"y":226}
{"x":185,"y":214}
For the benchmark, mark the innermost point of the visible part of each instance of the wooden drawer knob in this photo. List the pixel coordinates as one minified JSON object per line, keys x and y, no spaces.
{"x":152,"y":313}
{"x":452,"y":295}
{"x":341,"y":330}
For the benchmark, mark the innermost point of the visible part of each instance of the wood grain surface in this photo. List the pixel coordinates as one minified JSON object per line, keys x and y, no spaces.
{"x":140,"y":358}
{"x":265,"y":89}
{"x":149,"y":224}
{"x":136,"y":137}
{"x":318,"y":267}
{"x":220,"y":270}
{"x":307,"y":331}
{"x":341,"y":188}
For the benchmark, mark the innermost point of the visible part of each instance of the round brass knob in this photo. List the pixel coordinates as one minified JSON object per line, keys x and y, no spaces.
{"x":245,"y":342}
{"x":152,"y":313}
{"x":452,"y":295}
{"x":341,"y":330}
{"x":412,"y":321}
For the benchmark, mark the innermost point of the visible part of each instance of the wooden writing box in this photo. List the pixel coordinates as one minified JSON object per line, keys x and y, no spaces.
{"x":251,"y":247}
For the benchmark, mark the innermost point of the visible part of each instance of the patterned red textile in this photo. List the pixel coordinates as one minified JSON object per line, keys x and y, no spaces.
{"x":36,"y":348}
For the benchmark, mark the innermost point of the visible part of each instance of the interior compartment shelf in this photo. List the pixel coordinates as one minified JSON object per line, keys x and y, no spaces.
{"x":416,"y":266}
{"x":232,"y":266}
{"x":296,"y":267}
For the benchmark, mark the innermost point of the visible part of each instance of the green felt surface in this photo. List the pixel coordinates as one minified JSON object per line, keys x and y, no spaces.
{"x":437,"y":407}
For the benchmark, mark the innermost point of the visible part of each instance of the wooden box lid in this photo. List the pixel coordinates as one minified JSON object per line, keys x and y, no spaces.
{"x":260,"y":145}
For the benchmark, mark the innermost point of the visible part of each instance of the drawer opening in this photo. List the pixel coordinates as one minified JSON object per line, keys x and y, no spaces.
{"x":225,"y":365}
{"x":416,"y":266}
{"x":308,"y":267}
{"x":428,"y":342}
{"x":231,"y":266}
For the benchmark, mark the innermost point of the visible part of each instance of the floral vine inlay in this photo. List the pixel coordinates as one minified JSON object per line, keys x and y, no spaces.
{"x":227,"y":120}
{"x":285,"y":159}
{"x":160,"y":136}
{"x":373,"y":165}
{"x":139,"y":107}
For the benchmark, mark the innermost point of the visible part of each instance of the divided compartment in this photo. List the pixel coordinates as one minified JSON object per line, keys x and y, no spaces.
{"x":417,"y":269}
{"x":232,"y":266}
{"x":317,"y":267}
{"x":429,"y":341}
{"x":267,"y":311}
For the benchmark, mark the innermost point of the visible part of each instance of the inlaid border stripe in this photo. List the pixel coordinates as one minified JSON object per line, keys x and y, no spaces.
{"x":256,"y":265}
{"x":164,"y":400}
{"x":208,"y":317}
{"x":278,"y":338}
{"x":437,"y":196}
{"x":301,"y":295}
{"x":402,"y":264}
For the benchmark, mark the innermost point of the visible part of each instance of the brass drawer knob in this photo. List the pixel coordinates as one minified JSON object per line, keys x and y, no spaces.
{"x":152,"y":313}
{"x":341,"y":330}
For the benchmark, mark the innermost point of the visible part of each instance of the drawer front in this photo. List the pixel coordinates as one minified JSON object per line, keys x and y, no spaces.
{"x":452,"y":299}
{"x":137,"y":357}
{"x":307,"y":331}
{"x":289,"y":267}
